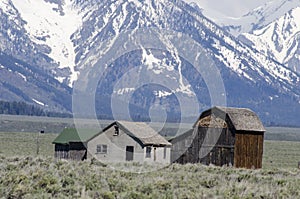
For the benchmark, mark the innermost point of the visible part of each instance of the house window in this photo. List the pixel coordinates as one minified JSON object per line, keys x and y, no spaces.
{"x":165,"y":152}
{"x":101,"y":148}
{"x":148,"y":152}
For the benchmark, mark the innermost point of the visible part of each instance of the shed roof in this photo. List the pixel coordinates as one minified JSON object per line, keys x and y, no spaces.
{"x":141,"y":131}
{"x":72,"y":135}
{"x":243,"y":119}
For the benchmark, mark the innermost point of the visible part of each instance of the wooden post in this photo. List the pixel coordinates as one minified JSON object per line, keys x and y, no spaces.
{"x":37,"y":144}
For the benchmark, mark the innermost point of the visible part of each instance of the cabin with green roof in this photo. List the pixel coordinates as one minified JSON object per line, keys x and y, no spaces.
{"x":72,"y":143}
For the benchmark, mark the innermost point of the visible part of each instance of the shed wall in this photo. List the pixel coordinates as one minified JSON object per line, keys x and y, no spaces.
{"x":77,"y":151}
{"x":248,"y":150}
{"x":61,"y":151}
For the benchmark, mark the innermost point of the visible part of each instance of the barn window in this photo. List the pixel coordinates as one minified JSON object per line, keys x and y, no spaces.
{"x":148,"y":152}
{"x":101,"y":148}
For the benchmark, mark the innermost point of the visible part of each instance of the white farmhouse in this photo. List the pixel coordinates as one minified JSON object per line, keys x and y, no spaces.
{"x":123,"y":141}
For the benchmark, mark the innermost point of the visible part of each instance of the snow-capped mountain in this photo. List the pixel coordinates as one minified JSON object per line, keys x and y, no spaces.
{"x":272,"y":29}
{"x":242,"y":19}
{"x":51,"y":24}
{"x":77,"y":34}
{"x":279,"y":39}
{"x":27,"y":73}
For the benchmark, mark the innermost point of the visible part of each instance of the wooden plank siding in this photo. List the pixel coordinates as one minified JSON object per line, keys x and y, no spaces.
{"x":208,"y":146}
{"x":61,"y":151}
{"x":77,"y":151}
{"x":248,"y":150}
{"x":220,"y":142}
{"x":71,"y":151}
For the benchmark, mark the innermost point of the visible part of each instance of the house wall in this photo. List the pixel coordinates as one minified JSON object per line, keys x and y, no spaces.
{"x":116,"y":147}
{"x":158,"y":154}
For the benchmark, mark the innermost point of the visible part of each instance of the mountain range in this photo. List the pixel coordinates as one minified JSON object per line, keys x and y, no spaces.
{"x":50,"y":48}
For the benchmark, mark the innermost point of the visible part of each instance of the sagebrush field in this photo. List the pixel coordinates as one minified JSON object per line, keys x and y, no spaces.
{"x":27,"y":175}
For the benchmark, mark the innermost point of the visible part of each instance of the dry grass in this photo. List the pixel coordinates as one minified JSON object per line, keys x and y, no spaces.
{"x":24,"y":175}
{"x":25,"y":144}
{"x":46,"y":178}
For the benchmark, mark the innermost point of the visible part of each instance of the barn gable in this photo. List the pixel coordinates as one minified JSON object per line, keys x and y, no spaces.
{"x":241,"y":119}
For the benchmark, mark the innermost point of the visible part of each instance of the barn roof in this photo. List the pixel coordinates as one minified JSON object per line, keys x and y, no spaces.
{"x":72,"y":135}
{"x":243,"y":119}
{"x":142,"y":132}
{"x":182,"y":136}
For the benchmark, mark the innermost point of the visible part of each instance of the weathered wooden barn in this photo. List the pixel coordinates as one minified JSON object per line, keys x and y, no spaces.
{"x":222,"y":136}
{"x":120,"y":141}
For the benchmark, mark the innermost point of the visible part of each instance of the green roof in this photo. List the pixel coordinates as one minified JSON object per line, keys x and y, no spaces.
{"x":73,"y":135}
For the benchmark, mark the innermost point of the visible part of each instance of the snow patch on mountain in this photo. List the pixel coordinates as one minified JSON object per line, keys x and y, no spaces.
{"x":48,"y":25}
{"x":38,"y":102}
{"x":162,"y":94}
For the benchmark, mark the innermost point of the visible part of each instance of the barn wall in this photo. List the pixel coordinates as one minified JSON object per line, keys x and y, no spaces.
{"x":248,"y":150}
{"x":116,"y":147}
{"x":180,"y":146}
{"x":206,"y":145}
{"x":217,"y":146}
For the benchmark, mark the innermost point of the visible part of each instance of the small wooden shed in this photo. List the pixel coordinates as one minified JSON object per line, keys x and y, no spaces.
{"x":222,"y":136}
{"x":72,"y":144}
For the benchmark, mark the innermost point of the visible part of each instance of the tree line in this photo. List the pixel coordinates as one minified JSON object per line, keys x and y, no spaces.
{"x":22,"y":108}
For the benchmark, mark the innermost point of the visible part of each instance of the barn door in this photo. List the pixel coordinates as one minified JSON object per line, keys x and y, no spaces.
{"x":129,"y":153}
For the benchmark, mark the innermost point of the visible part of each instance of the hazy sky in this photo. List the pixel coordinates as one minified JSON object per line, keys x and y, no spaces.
{"x":233,"y":8}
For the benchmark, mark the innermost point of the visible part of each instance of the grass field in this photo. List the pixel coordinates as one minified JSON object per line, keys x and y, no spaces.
{"x":26,"y":175}
{"x":25,"y":144}
{"x":277,"y":154}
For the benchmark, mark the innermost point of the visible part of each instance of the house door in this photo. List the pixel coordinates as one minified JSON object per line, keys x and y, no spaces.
{"x":129,"y":153}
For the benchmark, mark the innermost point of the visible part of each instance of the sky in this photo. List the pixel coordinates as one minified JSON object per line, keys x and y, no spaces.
{"x":232,"y":8}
